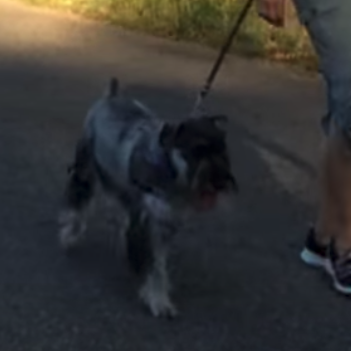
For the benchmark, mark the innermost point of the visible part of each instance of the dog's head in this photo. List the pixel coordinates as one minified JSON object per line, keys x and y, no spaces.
{"x":199,"y":152}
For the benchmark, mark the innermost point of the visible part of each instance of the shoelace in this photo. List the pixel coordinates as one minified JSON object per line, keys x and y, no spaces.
{"x":342,"y":266}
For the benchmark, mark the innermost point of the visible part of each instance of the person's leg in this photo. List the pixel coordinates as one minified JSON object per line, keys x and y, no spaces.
{"x":334,"y":217}
{"x":338,"y":166}
{"x":328,"y":23}
{"x":326,"y":226}
{"x":327,"y":219}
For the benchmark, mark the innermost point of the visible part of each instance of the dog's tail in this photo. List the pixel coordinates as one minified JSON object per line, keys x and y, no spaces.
{"x":113,"y":87}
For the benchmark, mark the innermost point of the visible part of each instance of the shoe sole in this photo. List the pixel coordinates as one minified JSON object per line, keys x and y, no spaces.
{"x":317,"y":261}
{"x":312,"y":259}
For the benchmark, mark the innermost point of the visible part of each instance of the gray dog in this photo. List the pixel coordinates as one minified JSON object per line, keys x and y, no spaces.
{"x":156,"y":170}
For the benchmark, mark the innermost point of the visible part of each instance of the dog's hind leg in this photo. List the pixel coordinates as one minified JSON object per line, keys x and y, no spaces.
{"x":77,"y":197}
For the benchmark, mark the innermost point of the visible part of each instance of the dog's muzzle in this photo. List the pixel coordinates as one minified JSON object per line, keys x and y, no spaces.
{"x":209,"y":183}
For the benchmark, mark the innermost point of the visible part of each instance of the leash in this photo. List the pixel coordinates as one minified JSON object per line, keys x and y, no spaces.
{"x":211,"y":77}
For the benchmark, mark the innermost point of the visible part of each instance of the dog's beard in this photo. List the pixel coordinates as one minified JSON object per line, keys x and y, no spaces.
{"x":205,"y":199}
{"x":209,"y":199}
{"x":207,"y":189}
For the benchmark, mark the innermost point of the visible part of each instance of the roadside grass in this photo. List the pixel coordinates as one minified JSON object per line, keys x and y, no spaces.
{"x":202,"y":21}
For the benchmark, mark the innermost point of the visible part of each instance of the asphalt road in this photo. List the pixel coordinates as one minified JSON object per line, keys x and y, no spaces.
{"x":239,"y":282}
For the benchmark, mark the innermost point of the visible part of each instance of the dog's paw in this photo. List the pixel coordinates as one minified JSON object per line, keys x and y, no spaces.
{"x":68,"y":242}
{"x":162,"y":308}
{"x":158,"y":303}
{"x":71,"y":232}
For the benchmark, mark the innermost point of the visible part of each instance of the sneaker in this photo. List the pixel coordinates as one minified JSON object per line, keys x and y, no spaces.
{"x":339,"y":268}
{"x":314,"y":253}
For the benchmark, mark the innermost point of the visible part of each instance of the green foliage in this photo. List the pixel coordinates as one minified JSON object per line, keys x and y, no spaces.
{"x":205,"y":21}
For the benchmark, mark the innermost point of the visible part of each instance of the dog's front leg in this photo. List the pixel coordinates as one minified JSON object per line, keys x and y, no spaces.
{"x":155,"y":291}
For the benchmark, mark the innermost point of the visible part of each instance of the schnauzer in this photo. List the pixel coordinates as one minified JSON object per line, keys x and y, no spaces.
{"x":156,"y":170}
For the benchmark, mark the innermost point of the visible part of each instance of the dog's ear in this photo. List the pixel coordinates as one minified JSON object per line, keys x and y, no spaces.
{"x":168,"y":136}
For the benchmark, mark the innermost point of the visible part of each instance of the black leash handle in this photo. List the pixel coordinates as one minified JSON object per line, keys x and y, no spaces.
{"x":210,"y":79}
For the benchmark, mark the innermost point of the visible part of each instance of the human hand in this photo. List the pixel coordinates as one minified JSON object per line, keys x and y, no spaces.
{"x":272,"y":11}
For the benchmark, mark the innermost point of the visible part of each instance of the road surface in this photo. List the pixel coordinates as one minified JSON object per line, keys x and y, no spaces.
{"x":239,"y":282}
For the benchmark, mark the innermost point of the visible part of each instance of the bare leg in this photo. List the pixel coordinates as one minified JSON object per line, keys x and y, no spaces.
{"x":327,"y":224}
{"x":335,"y":211}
